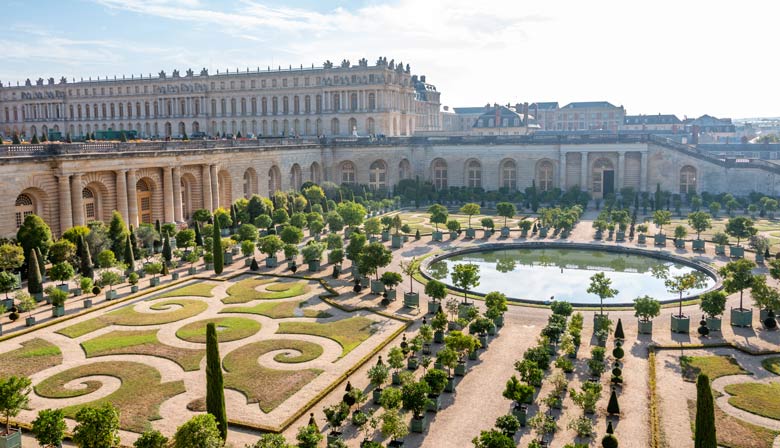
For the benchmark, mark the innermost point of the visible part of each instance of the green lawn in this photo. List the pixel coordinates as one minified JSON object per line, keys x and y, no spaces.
{"x":194,"y":289}
{"x":138,"y":399}
{"x":277,"y":310}
{"x":228,"y":329}
{"x":34,"y":355}
{"x":712,"y":366}
{"x":269,"y":387}
{"x":756,"y":398}
{"x":348,"y":332}
{"x":245,"y":290}
{"x":179,"y":309}
{"x":142,"y":342}
{"x":735,"y":433}
{"x":772,"y":364}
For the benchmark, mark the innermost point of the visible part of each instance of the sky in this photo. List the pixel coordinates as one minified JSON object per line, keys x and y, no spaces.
{"x":686,"y":57}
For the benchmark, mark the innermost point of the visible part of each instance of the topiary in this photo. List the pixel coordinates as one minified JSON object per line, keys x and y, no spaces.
{"x":613,"y":407}
{"x":619,"y":330}
{"x":609,"y":441}
{"x":618,"y":352}
{"x":253,"y":266}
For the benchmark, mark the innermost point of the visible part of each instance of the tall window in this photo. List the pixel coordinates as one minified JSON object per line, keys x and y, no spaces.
{"x":371,"y":101}
{"x":474,"y":174}
{"x":334,"y":127}
{"x":336,"y":102}
{"x":274,"y":105}
{"x":24,"y":207}
{"x":544,"y":176}
{"x":90,"y":208}
{"x":353,"y":101}
{"x":347,"y":173}
{"x":307,"y":104}
{"x":440,"y":174}
{"x":404,"y":169}
{"x":377,"y":175}
{"x":274,"y":180}
{"x":370,"y":126}
{"x":688,"y":180}
{"x":296,"y":177}
{"x":509,"y":175}
{"x":144,"y":196}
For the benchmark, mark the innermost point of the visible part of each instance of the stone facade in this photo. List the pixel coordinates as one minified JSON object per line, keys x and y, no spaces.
{"x":384,"y":98}
{"x":74,"y":184}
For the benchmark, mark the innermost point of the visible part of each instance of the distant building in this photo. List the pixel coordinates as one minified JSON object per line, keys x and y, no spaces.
{"x":709,"y":129}
{"x":590,"y":115}
{"x":662,"y":123}
{"x":504,"y":120}
{"x":546,"y":114}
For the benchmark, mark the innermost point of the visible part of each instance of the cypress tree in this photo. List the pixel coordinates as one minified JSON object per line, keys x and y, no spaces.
{"x":215,"y":393}
{"x":41,"y":261}
{"x":217,"y":248}
{"x":233,"y":215}
{"x":44,"y":139}
{"x":705,"y":436}
{"x":254,"y":267}
{"x":86,"y":267}
{"x":34,"y":278}
{"x":117,"y":233}
{"x":619,"y":330}
{"x":166,"y":250}
{"x":35,"y":140}
{"x":15,"y":139}
{"x":158,"y":227}
{"x":134,"y":244}
{"x":613,"y":407}
{"x":129,"y":257}
{"x":198,"y":235}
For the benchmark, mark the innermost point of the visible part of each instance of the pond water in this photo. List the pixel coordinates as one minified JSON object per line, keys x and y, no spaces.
{"x":564,"y":274}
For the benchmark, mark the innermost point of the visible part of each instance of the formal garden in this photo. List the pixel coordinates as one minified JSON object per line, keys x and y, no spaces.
{"x":317,"y":318}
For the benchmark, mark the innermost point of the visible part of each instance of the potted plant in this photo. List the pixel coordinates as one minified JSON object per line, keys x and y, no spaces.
{"x":395,"y":359}
{"x":335,"y":415}
{"x":247,"y":250}
{"x":642,"y":229}
{"x":465,"y":276}
{"x":414,"y":396}
{"x":488,"y":227}
{"x":462,"y":344}
{"x":394,"y":427}
{"x":371,"y":258}
{"x":14,"y":396}
{"x":436,"y":291}
{"x":230,"y":249}
{"x":447,"y":358}
{"x":378,"y":375}
{"x":738,"y":276}
{"x":767,"y":299}
{"x":680,"y":232}
{"x":646,"y":308}
{"x":62,"y":272}
{"x":290,"y":252}
{"x":153,"y":269}
{"x":496,"y":304}
{"x":437,"y":381}
{"x":739,"y":228}
{"x":49,"y":427}
{"x":336,"y":257}
{"x":601,"y":285}
{"x":508,"y":424}
{"x":26,"y":304}
{"x":411,"y":298}
{"x":699,"y":221}
{"x":525,"y":226}
{"x":438,"y":216}
{"x":621,"y":218}
{"x":86,"y":285}
{"x":57,"y":298}
{"x":600,"y":225}
{"x":480,"y":327}
{"x":679,"y":284}
{"x":372,"y":226}
{"x":713,"y":304}
{"x":390,"y":280}
{"x":397,"y":241}
{"x":507,"y":210}
{"x":521,"y":394}
{"x":270,"y":245}
{"x":439,"y":323}
{"x":426,"y":334}
{"x":760,"y":244}
{"x":660,"y":219}
{"x":312,"y":254}
{"x":721,"y":240}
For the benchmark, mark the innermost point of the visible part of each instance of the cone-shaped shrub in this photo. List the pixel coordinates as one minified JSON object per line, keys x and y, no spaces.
{"x":217,"y":248}
{"x":215,"y":393}
{"x":613,"y":407}
{"x":129,"y":257}
{"x":34,"y":279}
{"x":705,"y":436}
{"x":619,"y":330}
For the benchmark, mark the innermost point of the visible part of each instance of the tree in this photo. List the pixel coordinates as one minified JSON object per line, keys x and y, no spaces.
{"x":601,"y":285}
{"x":662,"y":218}
{"x":167,"y":253}
{"x":151,"y":438}
{"x":308,"y":436}
{"x":700,"y":221}
{"x":465,"y":276}
{"x":134,"y":244}
{"x":200,"y":431}
{"x":198,"y":235}
{"x":49,"y":427}
{"x":352,"y":213}
{"x":215,"y":392}
{"x":713,"y":303}
{"x":34,"y":277}
{"x":357,"y":242}
{"x":613,"y":407}
{"x":62,"y":272}
{"x":439,"y":215}
{"x":14,"y":396}
{"x":737,"y":276}
{"x":518,"y":391}
{"x":409,"y":268}
{"x":470,"y":209}
{"x":7,"y":282}
{"x":117,"y":232}
{"x":97,"y":427}
{"x":393,"y":425}
{"x":11,"y":256}
{"x":507,"y":210}
{"x":372,"y":226}
{"x":129,"y":256}
{"x":216,"y":248}
{"x":74,"y":233}
{"x":740,"y":228}
{"x":61,"y":250}
{"x":35,"y":140}
{"x":706,"y":435}
{"x":414,"y":396}
{"x":269,"y":440}
{"x":436,"y":290}
{"x":34,"y":233}
{"x":291,"y":235}
{"x":373,"y":257}
{"x":270,"y":245}
{"x":86,"y":267}
{"x":493,"y":439}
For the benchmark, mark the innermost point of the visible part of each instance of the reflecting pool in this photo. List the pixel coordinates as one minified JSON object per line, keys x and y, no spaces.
{"x":564,"y":274}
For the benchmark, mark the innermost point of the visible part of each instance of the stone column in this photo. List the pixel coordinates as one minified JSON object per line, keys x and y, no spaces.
{"x":643,"y":169}
{"x":206,"y":182}
{"x":66,"y":215}
{"x":561,"y":171}
{"x":76,"y":197}
{"x":584,"y":172}
{"x":132,"y":199}
{"x":167,"y":194}
{"x":214,"y":187}
{"x":621,"y":169}
{"x":121,"y":194}
{"x":178,"y":213}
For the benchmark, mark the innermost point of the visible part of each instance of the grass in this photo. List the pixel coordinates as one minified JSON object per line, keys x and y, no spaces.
{"x":756,"y":398}
{"x":138,"y":399}
{"x":143,"y":342}
{"x":129,"y":317}
{"x":735,"y":433}
{"x":195,"y":289}
{"x":228,"y":328}
{"x":712,"y":366}
{"x":269,"y":387}
{"x":34,"y":355}
{"x":349,"y":333}
{"x":245,"y":290}
{"x":772,"y":364}
{"x":276,"y":310}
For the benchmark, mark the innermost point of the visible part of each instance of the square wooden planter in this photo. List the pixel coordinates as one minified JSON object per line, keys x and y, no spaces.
{"x":741,"y":317}
{"x":681,"y":324}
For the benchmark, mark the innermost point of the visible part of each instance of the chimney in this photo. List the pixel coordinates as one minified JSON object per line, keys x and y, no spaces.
{"x":525,"y":113}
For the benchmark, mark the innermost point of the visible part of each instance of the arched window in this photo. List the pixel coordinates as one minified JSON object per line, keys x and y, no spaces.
{"x":243,"y":106}
{"x":352,"y":126}
{"x":474,"y":174}
{"x":440,"y":174}
{"x":377,"y":175}
{"x":347,"y":173}
{"x":274,"y":180}
{"x":274,"y":105}
{"x":254,"y":106}
{"x":144,"y":197}
{"x":509,"y":175}
{"x":296,"y":177}
{"x":404,"y":170}
{"x":688,"y":180}
{"x":264,"y":106}
{"x":250,"y":183}
{"x":335,"y":129}
{"x":24,"y":207}
{"x":307,"y":104}
{"x":370,"y":127}
{"x":314,"y":172}
{"x":544,"y":175}
{"x":296,"y":105}
{"x":90,"y":205}
{"x":285,"y":105}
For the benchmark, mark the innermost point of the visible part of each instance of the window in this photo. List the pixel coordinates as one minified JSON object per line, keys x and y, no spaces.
{"x":353,"y":101}
{"x":89,"y":204}
{"x":296,"y":177}
{"x":404,"y":169}
{"x":144,"y":196}
{"x":440,"y":174}
{"x":275,"y":105}
{"x":347,"y":173}
{"x":377,"y":175}
{"x":509,"y":175}
{"x":335,"y":127}
{"x":336,"y":102}
{"x":307,"y":104}
{"x":24,"y":207}
{"x":688,"y":180}
{"x":544,"y":175}
{"x":474,"y":174}
{"x":371,"y":101}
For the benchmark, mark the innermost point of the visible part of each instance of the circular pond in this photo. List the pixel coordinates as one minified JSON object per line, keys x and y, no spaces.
{"x":538,"y":273}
